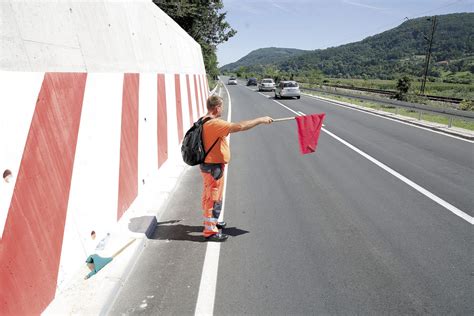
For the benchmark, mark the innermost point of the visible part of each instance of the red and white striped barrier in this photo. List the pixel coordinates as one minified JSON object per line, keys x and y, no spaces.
{"x":79,"y":146}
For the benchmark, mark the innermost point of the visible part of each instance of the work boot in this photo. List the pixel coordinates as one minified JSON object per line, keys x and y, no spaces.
{"x":221,"y":225}
{"x":219,"y":237}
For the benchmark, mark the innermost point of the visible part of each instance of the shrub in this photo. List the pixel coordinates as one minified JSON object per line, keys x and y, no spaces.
{"x":466,"y":105}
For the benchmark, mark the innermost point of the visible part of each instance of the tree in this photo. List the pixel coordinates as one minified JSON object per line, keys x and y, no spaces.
{"x":203,"y":21}
{"x":403,"y":85}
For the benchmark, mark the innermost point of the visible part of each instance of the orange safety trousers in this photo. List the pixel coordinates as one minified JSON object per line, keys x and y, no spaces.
{"x":211,"y":202}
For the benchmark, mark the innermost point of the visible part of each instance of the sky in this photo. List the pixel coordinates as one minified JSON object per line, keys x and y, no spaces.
{"x":319,"y":24}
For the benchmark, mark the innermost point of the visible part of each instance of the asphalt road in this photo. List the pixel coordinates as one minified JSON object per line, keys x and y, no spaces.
{"x":325,"y":233}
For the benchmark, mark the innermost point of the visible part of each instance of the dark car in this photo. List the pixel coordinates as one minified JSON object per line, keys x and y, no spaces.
{"x":252,"y":82}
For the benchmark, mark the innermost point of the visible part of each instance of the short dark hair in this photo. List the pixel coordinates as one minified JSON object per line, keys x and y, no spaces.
{"x":213,"y":101}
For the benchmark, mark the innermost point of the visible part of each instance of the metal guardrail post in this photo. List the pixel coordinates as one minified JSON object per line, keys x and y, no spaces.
{"x":419,"y":115}
{"x":450,"y":124}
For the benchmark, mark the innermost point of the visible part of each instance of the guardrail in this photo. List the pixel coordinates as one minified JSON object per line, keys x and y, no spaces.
{"x":393,"y":93}
{"x":420,"y":108}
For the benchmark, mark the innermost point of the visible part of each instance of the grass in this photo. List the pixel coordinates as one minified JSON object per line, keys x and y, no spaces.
{"x":444,"y":89}
{"x":441,"y":119}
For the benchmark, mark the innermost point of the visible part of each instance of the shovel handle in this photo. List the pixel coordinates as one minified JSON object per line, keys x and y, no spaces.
{"x":123,"y":248}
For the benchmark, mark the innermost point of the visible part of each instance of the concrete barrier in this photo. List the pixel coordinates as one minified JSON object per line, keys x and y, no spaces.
{"x":95,"y":99}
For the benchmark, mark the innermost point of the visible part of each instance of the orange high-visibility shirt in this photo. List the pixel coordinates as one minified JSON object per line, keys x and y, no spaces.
{"x":212,"y":130}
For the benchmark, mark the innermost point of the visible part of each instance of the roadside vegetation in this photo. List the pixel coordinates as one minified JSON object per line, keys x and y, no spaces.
{"x":430,"y":117}
{"x":205,"y":22}
{"x":315,"y":79}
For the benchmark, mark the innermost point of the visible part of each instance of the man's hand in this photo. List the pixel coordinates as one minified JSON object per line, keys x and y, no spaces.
{"x":266,"y":120}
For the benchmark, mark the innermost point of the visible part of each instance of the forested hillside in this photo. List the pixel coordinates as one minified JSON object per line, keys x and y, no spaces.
{"x":388,"y":55}
{"x":265,"y":56}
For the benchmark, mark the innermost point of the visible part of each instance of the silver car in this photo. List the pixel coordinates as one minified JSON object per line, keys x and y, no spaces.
{"x":287,"y":89}
{"x":267,"y":84}
{"x":232,"y":81}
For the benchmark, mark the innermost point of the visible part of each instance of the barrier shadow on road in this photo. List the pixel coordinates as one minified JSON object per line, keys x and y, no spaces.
{"x":173,"y":230}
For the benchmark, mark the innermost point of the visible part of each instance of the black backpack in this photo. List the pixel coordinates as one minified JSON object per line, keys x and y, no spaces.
{"x":192,"y":149}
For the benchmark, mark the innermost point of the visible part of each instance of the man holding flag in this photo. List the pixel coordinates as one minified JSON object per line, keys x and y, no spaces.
{"x":212,"y":170}
{"x":214,"y":135}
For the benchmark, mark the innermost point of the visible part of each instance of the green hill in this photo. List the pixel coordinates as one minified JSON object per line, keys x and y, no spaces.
{"x":264,"y":56}
{"x":399,"y":51}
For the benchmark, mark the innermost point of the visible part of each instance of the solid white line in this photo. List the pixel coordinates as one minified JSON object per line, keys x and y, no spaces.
{"x":207,"y":287}
{"x":388,"y":118}
{"x":417,"y":187}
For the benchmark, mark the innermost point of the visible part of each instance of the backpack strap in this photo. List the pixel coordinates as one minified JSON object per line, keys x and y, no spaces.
{"x":207,"y":152}
{"x":205,"y":155}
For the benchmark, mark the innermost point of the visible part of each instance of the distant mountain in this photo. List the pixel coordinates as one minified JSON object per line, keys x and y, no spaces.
{"x":400,"y":50}
{"x":264,"y":56}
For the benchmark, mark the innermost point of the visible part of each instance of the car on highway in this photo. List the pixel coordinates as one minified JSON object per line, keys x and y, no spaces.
{"x":252,"y":82}
{"x":267,"y":84}
{"x":287,"y":89}
{"x":232,"y":80}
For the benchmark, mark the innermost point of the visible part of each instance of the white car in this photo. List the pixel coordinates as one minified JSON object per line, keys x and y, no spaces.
{"x":232,"y":80}
{"x":287,"y":89}
{"x":267,"y":84}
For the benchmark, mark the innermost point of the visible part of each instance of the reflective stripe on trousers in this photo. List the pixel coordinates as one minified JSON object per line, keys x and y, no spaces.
{"x":211,"y":202}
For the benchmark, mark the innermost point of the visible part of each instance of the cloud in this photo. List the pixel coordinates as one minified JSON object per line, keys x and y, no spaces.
{"x":358,"y":4}
{"x":276,"y":5}
{"x":248,"y":7}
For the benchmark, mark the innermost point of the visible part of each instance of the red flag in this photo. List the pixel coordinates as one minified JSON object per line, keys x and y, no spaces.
{"x":309,"y":127}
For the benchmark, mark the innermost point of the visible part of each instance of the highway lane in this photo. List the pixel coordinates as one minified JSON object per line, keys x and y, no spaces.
{"x":440,"y":163}
{"x":326,"y":233}
{"x":330,"y":232}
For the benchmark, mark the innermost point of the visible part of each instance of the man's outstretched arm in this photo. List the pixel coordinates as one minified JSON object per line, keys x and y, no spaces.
{"x":246,"y":125}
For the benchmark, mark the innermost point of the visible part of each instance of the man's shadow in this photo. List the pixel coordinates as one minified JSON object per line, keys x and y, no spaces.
{"x":172,"y":230}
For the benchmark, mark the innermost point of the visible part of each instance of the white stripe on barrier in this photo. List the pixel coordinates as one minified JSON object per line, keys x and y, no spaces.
{"x":172,"y":121}
{"x":93,"y":196}
{"x":193,"y":97}
{"x":147,"y":129}
{"x":184,"y":103}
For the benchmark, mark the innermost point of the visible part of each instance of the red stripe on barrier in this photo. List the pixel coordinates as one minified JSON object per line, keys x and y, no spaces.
{"x":128,"y":176}
{"x":31,"y":246}
{"x":196,"y":96}
{"x":179,"y":108}
{"x":190,"y":103}
{"x":162,"y":122}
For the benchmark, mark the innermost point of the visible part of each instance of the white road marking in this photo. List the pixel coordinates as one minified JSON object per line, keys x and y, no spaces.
{"x":207,"y":287}
{"x":390,"y":119}
{"x":415,"y":186}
